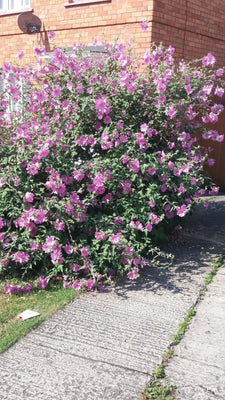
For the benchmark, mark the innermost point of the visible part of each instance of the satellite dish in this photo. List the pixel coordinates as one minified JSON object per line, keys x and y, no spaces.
{"x":29,"y":23}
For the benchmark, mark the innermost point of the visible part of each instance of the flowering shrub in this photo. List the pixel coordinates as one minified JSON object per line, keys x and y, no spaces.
{"x":100,"y":159}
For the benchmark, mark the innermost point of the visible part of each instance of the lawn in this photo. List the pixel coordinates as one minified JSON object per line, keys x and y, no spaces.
{"x":46,"y":302}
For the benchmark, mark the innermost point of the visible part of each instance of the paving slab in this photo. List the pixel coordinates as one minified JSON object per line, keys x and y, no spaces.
{"x":106,"y":345}
{"x":198,"y":369}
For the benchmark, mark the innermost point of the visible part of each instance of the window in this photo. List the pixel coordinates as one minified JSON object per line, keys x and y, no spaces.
{"x":13,"y":5}
{"x":91,"y":51}
{"x":11,"y":94}
{"x":71,"y":3}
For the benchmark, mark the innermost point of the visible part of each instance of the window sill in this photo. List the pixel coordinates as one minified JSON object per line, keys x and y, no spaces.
{"x":84,"y":2}
{"x":15,"y":12}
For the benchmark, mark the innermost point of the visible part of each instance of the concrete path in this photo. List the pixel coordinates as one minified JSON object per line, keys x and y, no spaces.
{"x":198,"y":370}
{"x":106,"y":345}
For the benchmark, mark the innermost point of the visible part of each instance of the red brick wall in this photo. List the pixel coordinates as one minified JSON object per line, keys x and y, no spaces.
{"x":105,"y":21}
{"x":194,"y":27}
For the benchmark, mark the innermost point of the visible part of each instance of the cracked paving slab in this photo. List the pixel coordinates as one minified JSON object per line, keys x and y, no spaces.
{"x":198,"y":369}
{"x":104,"y":346}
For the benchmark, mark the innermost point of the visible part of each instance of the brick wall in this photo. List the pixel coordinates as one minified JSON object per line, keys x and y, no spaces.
{"x":194,"y":27}
{"x":115,"y":20}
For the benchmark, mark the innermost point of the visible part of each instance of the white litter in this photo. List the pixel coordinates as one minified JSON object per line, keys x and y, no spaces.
{"x":27,"y":314}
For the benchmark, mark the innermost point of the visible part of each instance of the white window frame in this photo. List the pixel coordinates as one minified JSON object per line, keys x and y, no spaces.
{"x":72,"y":3}
{"x":13,"y":106}
{"x":10,"y":6}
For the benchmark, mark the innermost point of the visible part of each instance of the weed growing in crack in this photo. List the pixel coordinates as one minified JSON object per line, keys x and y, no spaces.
{"x":156,"y":391}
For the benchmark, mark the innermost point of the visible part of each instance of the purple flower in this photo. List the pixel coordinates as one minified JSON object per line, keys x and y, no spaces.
{"x":39,"y":51}
{"x":211,"y":162}
{"x":182,"y":211}
{"x":68,"y":249}
{"x":132,"y":274}
{"x":171,"y":112}
{"x":1,"y":223}
{"x":76,"y":284}
{"x":149,"y":227}
{"x":51,"y":34}
{"x":219,"y":92}
{"x":21,"y":257}
{"x":101,"y":235}
{"x":116,"y":239}
{"x":42,"y":282}
{"x":90,"y":284}
{"x":208,"y":60}
{"x":144,"y":25}
{"x":84,"y":252}
{"x":75,"y":268}
{"x":29,"y":197}
{"x":20,"y":54}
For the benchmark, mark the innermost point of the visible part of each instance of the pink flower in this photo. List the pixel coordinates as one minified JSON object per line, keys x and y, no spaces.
{"x":219,"y":92}
{"x":27,"y":288}
{"x":59,"y":225}
{"x":101,"y":235}
{"x":68,"y":249}
{"x":220,"y":72}
{"x":170,"y":165}
{"x":208,"y":60}
{"x":180,"y":190}
{"x":76,"y":284}
{"x":1,"y":223}
{"x":21,"y":257}
{"x":211,"y":162}
{"x":144,"y":25}
{"x":79,"y":88}
{"x":213,"y":191}
{"x":75,"y":268}
{"x":20,"y":54}
{"x":171,"y":112}
{"x":182,"y":211}
{"x":9,"y":289}
{"x":84,"y":252}
{"x":50,"y":244}
{"x":51,"y":34}
{"x":116,"y":239}
{"x":78,"y":174}
{"x":135,"y":165}
{"x":136,"y":225}
{"x":154,"y":218}
{"x":29,"y":197}
{"x":148,"y":227}
{"x":33,"y":169}
{"x":38,"y":51}
{"x":99,"y":179}
{"x":163,"y":188}
{"x":133,"y":274}
{"x":69,"y":86}
{"x":42,"y":282}
{"x":90,"y":284}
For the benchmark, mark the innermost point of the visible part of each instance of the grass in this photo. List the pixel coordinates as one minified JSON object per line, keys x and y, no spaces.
{"x":159,"y":373}
{"x":183,"y":326}
{"x":217,"y":264}
{"x":156,"y":391}
{"x":46,"y":302}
